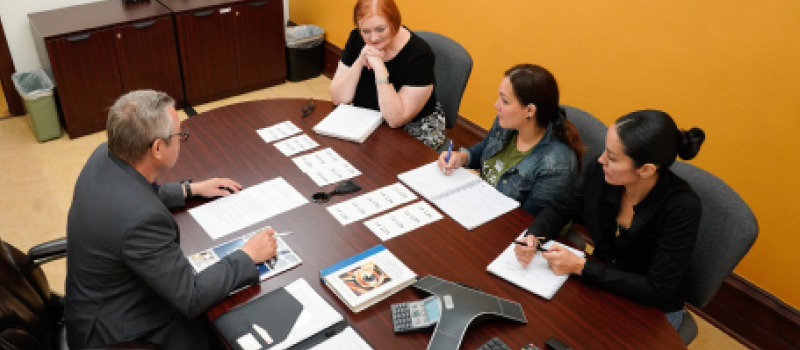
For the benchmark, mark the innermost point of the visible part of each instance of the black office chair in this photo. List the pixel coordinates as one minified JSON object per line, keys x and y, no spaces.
{"x":728,"y":228}
{"x":31,"y":315}
{"x":453,"y":67}
{"x":593,"y":135}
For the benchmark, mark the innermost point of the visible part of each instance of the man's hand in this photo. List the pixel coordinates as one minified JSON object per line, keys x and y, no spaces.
{"x":262,"y":246}
{"x":215,"y":187}
{"x":563,"y":261}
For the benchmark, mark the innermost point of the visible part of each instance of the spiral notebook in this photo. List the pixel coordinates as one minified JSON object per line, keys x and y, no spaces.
{"x":463,"y":196}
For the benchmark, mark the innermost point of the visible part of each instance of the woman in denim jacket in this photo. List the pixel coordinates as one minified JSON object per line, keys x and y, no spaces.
{"x":532,"y":153}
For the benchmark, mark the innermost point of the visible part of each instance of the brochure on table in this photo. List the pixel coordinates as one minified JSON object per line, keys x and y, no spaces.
{"x":295,"y":145}
{"x":285,"y":260}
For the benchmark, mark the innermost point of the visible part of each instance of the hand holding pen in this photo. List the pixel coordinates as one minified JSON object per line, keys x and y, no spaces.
{"x":526,"y":247}
{"x":449,"y":161}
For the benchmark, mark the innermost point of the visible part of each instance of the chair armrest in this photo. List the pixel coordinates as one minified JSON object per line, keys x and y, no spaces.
{"x":48,"y":251}
{"x":131,"y":345}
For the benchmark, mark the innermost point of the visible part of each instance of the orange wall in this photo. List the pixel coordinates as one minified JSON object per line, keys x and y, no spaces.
{"x":731,"y":67}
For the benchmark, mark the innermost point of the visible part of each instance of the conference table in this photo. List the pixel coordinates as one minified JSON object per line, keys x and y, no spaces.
{"x":224,"y":143}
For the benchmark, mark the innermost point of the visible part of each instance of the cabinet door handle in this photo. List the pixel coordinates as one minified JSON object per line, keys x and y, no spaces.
{"x":259,"y":3}
{"x":145,"y":24}
{"x":204,"y":13}
{"x":80,"y":37}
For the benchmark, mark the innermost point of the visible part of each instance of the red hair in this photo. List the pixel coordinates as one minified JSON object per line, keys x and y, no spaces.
{"x":386,"y":8}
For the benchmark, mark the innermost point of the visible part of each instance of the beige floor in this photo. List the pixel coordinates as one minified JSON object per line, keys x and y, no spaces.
{"x":36,"y":182}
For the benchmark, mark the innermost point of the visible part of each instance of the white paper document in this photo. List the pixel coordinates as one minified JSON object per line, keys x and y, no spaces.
{"x":536,"y":278}
{"x":403,"y":220}
{"x":278,"y":131}
{"x":248,"y":207}
{"x":350,"y":123}
{"x":316,"y":316}
{"x":295,"y":145}
{"x":326,"y":167}
{"x":463,"y":196}
{"x":348,"y":339}
{"x":371,"y":203}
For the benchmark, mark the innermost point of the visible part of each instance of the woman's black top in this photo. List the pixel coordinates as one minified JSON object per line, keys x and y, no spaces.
{"x":412,"y":66}
{"x":650,"y":261}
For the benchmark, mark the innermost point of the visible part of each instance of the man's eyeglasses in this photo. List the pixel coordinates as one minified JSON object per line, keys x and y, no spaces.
{"x":308,"y":108}
{"x":184,"y":134}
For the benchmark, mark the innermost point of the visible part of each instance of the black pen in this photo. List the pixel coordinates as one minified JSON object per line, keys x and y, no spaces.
{"x":538,"y":247}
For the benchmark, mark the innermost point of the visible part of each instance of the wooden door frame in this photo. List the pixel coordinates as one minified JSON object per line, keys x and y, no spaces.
{"x":15,"y":106}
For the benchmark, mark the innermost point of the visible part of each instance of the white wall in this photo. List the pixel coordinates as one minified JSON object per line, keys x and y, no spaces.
{"x":14,"y":14}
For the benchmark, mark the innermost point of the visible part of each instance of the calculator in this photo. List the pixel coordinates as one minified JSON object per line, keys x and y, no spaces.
{"x":416,"y":315}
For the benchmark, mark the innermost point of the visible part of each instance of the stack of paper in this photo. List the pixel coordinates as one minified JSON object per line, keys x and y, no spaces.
{"x":463,"y":196}
{"x":350,"y":123}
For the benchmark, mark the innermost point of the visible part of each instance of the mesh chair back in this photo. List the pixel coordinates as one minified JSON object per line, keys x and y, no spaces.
{"x":591,"y":130}
{"x":728,"y":228}
{"x":452,"y":68}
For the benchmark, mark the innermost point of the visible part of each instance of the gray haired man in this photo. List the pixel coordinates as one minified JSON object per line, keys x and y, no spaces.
{"x":127,"y":278}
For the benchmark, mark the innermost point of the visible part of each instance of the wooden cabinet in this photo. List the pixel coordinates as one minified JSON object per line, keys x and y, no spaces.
{"x":98,"y":51}
{"x":229,"y":47}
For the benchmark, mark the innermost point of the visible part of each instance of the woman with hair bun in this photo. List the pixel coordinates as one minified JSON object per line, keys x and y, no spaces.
{"x":641,"y":217}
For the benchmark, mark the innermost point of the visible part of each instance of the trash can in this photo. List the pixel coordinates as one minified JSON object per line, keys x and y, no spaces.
{"x":36,"y":90}
{"x":304,"y":52}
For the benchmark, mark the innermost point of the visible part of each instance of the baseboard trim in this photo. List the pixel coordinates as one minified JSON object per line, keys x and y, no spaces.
{"x":753,"y":316}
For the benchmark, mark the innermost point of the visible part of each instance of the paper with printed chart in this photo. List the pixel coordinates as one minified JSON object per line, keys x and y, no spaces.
{"x":326,"y":167}
{"x":278,"y":131}
{"x":371,"y":203}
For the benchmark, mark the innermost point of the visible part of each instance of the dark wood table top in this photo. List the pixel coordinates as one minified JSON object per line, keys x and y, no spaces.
{"x":65,"y":21}
{"x":183,"y":6}
{"x":224,"y":143}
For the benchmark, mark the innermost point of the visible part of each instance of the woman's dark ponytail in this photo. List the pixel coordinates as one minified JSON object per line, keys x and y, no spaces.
{"x":651,"y":136}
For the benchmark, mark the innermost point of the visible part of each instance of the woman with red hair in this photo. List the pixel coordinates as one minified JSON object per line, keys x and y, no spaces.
{"x":386,"y":67}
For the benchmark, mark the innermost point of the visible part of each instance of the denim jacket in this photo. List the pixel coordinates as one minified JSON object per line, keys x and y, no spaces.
{"x":536,"y":180}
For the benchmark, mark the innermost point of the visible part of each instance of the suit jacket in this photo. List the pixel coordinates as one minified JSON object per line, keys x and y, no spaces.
{"x":127,"y":277}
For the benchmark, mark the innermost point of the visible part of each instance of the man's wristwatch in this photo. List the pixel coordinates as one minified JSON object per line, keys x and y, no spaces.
{"x":187,"y":188}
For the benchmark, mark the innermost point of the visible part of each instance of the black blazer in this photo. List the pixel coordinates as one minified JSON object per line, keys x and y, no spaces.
{"x":650,"y":264}
{"x":127,"y":277}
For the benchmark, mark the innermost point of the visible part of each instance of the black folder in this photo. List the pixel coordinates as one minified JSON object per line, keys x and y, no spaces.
{"x":276,"y":313}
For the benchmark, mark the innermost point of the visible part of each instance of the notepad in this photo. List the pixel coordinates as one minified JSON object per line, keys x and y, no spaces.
{"x":536,"y":278}
{"x":349,"y":123}
{"x":463,"y":196}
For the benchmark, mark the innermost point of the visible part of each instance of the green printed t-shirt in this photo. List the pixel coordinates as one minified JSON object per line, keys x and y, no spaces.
{"x":499,"y":163}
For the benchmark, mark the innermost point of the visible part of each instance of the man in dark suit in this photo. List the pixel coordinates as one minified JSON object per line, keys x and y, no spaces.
{"x":127,"y":278}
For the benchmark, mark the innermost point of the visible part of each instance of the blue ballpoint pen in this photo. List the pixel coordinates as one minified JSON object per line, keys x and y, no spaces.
{"x":449,"y":149}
